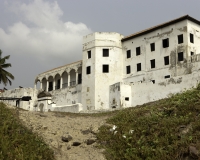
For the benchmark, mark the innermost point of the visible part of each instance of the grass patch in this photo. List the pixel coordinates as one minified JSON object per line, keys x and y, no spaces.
{"x":18,"y":142}
{"x":166,"y":129}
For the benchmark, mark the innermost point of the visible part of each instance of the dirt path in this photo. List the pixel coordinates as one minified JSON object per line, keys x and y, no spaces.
{"x":56,"y":128}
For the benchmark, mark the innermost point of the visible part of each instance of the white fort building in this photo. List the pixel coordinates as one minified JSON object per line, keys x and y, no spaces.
{"x":118,"y":72}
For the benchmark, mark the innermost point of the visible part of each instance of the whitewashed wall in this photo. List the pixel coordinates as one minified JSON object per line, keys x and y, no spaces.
{"x":19,"y":93}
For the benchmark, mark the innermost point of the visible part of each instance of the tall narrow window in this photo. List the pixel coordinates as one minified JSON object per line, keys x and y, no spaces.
{"x":128,"y":69}
{"x":88,"y":70}
{"x":89,"y":54}
{"x":128,"y":54}
{"x":105,"y":52}
{"x":180,"y":39}
{"x":105,"y":68}
{"x":191,"y":38}
{"x":166,"y":43}
{"x":153,"y":63}
{"x":166,"y":60}
{"x":152,"y":47}
{"x":180,"y":56}
{"x":138,"y":52}
{"x":139,"y":67}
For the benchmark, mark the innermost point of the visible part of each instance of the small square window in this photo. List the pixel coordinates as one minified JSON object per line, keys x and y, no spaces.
{"x":153,"y":81}
{"x":128,"y":69}
{"x":105,"y":52}
{"x":138,"y":52}
{"x":89,"y":54}
{"x":152,"y":47}
{"x":166,"y":60}
{"x":191,"y":38}
{"x":180,"y":56}
{"x":180,"y":39}
{"x":126,"y":98}
{"x":105,"y":68}
{"x":153,"y":63}
{"x":168,"y":76}
{"x":139,"y":67}
{"x":88,"y":70}
{"x":128,"y":54}
{"x":166,"y":43}
{"x":191,"y":53}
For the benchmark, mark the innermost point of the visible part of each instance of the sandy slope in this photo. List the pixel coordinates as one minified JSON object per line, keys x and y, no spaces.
{"x":52,"y":126}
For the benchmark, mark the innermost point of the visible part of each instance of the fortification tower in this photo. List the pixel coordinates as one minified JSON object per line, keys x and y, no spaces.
{"x":102,"y":66}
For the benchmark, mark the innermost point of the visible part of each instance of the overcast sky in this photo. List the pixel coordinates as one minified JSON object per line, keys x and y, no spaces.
{"x":43,"y":34}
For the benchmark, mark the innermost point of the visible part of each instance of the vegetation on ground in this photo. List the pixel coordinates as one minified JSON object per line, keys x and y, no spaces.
{"x":166,"y":129}
{"x":17,"y":142}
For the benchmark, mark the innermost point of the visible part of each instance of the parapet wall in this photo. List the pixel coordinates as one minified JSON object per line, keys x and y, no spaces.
{"x":19,"y":93}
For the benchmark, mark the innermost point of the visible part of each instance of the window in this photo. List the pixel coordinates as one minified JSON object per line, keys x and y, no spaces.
{"x":89,"y":54}
{"x":105,"y":52}
{"x":152,"y":47}
{"x":88,"y":70}
{"x":128,"y":69}
{"x":180,"y":39}
{"x":153,"y":81}
{"x":153,"y":63}
{"x":139,"y":67}
{"x":105,"y":68}
{"x":168,"y":76}
{"x":128,"y":54}
{"x":180,"y":56}
{"x":166,"y":60}
{"x":191,"y":38}
{"x":138,"y":52}
{"x":126,"y":98}
{"x":166,"y":43}
{"x":191,"y":53}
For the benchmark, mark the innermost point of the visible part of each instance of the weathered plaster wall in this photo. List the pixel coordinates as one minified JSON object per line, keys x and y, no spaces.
{"x":19,"y":93}
{"x":95,"y":87}
{"x":148,"y":92}
{"x":161,"y":70}
{"x":67,"y":96}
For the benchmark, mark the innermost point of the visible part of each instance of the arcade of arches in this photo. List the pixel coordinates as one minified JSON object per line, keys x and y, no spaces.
{"x":60,"y":80}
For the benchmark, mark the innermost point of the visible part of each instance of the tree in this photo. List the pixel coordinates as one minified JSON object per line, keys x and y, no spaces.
{"x":5,"y":77}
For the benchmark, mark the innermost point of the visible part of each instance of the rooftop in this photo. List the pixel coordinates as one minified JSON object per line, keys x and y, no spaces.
{"x":160,"y":26}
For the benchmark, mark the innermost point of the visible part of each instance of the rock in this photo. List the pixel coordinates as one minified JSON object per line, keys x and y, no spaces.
{"x":66,"y":138}
{"x":193,"y":152}
{"x":90,"y":141}
{"x":76,"y":143}
{"x":95,"y":130}
{"x":43,"y":115}
{"x":45,"y":127}
{"x":87,"y":131}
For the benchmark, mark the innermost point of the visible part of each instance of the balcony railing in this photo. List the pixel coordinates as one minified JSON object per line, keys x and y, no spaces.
{"x":72,"y":83}
{"x":64,"y":85}
{"x":50,"y":89}
{"x":57,"y":87}
{"x":79,"y":81}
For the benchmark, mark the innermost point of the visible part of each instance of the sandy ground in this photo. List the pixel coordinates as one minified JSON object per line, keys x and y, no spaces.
{"x":53,"y":126}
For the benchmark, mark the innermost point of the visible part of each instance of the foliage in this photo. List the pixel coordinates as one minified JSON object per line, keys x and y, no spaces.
{"x":18,"y":142}
{"x":160,"y":130}
{"x":5,"y":76}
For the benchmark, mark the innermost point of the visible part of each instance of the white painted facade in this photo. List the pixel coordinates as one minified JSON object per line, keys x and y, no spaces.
{"x":119,"y":72}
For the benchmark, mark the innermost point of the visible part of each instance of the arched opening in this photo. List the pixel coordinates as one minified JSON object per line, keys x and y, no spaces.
{"x":50,"y":80}
{"x":44,"y":84}
{"x":72,"y":77}
{"x":57,"y":81}
{"x":65,"y":79}
{"x":37,"y":84}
